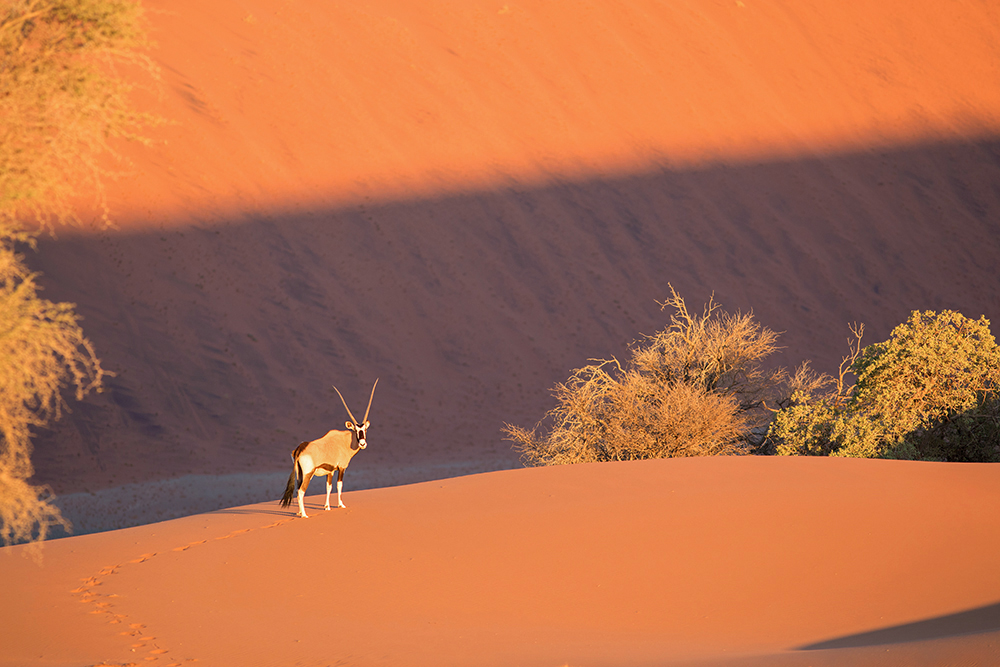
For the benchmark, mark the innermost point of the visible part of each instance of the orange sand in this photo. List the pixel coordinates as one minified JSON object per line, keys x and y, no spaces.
{"x":467,"y":200}
{"x":715,"y":561}
{"x":299,"y":105}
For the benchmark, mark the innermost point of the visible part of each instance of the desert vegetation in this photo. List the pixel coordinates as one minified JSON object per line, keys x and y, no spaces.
{"x":62,"y":102}
{"x":929,"y":392}
{"x":42,"y":348}
{"x":699,"y":387}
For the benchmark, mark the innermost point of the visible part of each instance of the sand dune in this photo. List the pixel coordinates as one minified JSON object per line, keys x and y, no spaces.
{"x":470,"y":199}
{"x":152,"y":501}
{"x":710,"y":561}
{"x":467,"y":200}
{"x":226,"y":340}
{"x":303,"y":105}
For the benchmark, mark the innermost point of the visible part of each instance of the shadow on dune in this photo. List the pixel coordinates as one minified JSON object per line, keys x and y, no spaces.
{"x":974,"y":621}
{"x":226,"y":336}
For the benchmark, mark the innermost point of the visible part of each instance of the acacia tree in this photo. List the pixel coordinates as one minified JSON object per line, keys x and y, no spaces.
{"x":62,"y":101}
{"x":695,"y":388}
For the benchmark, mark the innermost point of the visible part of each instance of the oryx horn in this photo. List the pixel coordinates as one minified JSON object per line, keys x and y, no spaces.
{"x":370,"y":400}
{"x":345,"y":403}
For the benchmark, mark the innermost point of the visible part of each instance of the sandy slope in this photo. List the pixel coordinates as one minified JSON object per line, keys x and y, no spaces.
{"x":470,"y":199}
{"x":467,"y":200}
{"x":693,"y":561}
{"x":469,"y":308}
{"x":294,"y":104}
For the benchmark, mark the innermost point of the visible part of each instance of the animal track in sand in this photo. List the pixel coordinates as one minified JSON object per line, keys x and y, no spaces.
{"x":143,"y":643}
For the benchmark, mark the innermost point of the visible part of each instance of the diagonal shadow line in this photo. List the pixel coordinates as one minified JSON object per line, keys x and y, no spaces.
{"x":970,"y":622}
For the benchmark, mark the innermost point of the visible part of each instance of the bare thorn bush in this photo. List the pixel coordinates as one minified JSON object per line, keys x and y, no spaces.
{"x":42,"y":349}
{"x":697,"y":388}
{"x":62,"y":103}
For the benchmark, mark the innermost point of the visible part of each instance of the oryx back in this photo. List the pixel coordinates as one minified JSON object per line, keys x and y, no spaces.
{"x":331,"y":452}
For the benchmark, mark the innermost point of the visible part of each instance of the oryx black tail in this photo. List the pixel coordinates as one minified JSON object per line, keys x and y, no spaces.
{"x":293,"y":479}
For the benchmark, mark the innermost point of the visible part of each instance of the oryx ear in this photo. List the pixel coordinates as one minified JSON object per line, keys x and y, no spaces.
{"x":367,"y":423}
{"x":349,"y":425}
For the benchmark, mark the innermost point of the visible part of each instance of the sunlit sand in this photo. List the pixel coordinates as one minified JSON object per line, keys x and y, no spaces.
{"x":467,"y":200}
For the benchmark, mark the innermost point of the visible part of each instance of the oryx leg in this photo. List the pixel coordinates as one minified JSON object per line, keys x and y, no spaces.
{"x":340,"y":487}
{"x":329,"y":488}
{"x":306,"y":478}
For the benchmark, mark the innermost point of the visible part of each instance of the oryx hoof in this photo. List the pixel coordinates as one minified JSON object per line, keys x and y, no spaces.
{"x":327,"y":508}
{"x":302,"y":515}
{"x":342,"y":505}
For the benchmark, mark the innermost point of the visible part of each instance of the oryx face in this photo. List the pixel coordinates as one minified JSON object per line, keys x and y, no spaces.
{"x":361,"y":430}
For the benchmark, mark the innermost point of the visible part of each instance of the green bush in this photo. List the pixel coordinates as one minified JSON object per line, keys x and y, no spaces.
{"x":696,"y":388}
{"x":929,"y":392}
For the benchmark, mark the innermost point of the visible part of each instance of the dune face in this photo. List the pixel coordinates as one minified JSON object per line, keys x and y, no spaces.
{"x":468,"y":200}
{"x":300,"y":105}
{"x":226,"y":340}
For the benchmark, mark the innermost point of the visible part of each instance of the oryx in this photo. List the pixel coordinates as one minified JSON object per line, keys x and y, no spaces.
{"x":326,"y":455}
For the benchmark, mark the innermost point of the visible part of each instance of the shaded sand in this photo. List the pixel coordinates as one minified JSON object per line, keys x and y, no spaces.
{"x":226,"y":340}
{"x":470,"y":199}
{"x":713,"y":561}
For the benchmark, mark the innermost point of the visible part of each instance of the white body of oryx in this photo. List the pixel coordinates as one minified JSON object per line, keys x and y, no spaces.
{"x":331,"y":453}
{"x":325,"y":456}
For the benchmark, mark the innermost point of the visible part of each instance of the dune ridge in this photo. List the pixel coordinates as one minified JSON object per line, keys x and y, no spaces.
{"x":161,"y":500}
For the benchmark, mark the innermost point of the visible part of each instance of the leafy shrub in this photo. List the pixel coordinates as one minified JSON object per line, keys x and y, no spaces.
{"x":696,"y":388}
{"x":929,"y":392}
